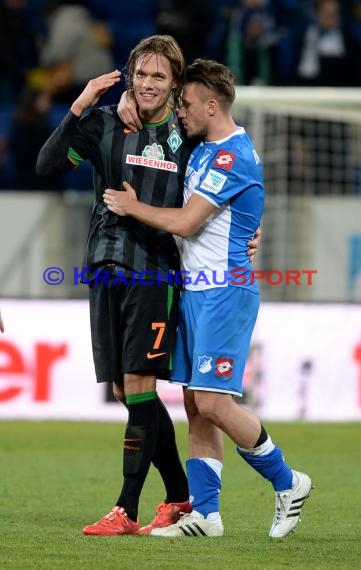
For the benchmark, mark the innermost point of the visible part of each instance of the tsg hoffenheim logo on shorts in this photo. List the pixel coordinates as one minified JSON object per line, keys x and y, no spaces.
{"x":204,"y":364}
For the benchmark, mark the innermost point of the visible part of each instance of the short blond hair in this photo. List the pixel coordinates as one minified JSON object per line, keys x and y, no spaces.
{"x":215,"y":76}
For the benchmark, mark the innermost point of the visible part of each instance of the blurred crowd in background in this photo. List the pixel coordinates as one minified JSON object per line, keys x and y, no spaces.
{"x":49,"y":49}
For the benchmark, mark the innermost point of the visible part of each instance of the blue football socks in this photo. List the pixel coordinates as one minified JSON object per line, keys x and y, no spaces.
{"x":204,"y":482}
{"x":269,"y":462}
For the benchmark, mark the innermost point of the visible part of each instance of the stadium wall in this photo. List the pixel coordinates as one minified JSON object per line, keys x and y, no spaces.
{"x":304,"y":364}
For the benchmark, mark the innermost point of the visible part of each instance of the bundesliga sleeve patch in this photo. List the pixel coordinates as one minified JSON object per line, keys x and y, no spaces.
{"x":224,"y":159}
{"x":224,"y":367}
{"x":213,"y":182}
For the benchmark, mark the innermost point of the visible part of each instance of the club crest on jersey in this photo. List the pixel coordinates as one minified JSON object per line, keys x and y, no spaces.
{"x":213,"y":182}
{"x":152,"y":157}
{"x":224,"y":367}
{"x":204,"y":364}
{"x":174,"y":141}
{"x":224,"y":159}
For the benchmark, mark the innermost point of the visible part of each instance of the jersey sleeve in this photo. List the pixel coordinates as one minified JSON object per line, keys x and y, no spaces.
{"x":230,"y":173}
{"x":53,"y":156}
{"x":73,"y":141}
{"x":84,"y":144}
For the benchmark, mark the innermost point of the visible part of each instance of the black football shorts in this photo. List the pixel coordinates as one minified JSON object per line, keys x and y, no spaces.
{"x":133,"y":328}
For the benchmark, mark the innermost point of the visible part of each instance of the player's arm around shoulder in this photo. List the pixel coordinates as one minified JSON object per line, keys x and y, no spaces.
{"x":128,"y":112}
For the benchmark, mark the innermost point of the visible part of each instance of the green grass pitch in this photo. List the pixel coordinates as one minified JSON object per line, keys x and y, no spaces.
{"x":55,"y":477}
